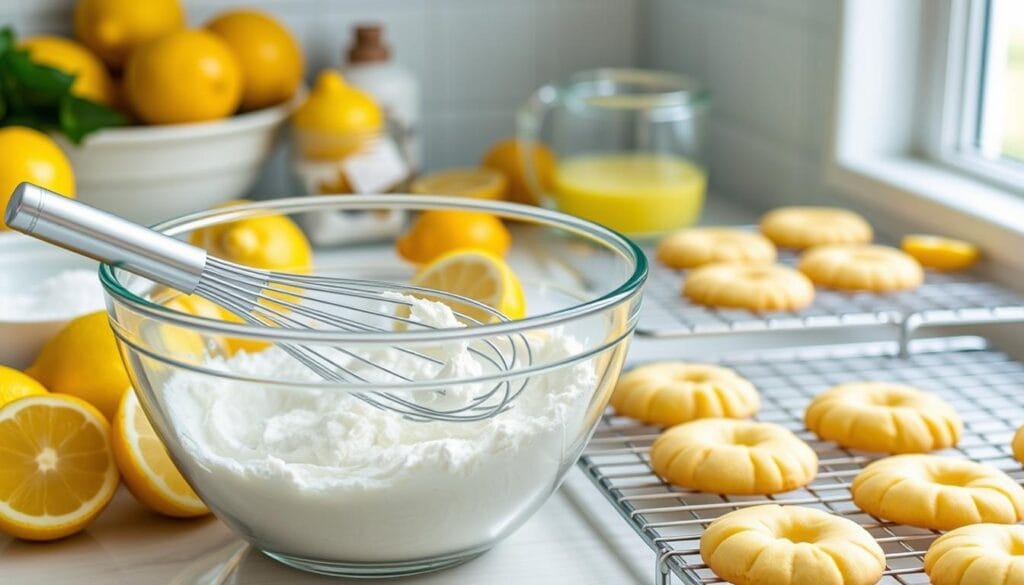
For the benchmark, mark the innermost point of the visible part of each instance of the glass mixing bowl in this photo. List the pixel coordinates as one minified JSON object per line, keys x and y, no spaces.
{"x":314,"y":476}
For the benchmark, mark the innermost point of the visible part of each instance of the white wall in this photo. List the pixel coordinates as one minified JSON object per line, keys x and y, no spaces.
{"x":770,"y":67}
{"x":477,"y":59}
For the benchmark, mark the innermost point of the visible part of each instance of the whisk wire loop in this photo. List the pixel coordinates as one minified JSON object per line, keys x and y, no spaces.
{"x":290,"y":301}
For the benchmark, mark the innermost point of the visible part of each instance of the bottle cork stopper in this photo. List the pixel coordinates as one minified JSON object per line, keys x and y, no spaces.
{"x":369,"y":45}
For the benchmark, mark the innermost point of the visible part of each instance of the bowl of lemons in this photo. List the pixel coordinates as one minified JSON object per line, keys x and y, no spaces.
{"x":203,"y":104}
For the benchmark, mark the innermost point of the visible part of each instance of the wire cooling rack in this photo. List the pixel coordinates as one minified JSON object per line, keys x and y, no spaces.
{"x":944,"y":298}
{"x":984,"y":386}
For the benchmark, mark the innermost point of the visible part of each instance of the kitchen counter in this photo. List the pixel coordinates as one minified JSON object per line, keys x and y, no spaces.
{"x":575,"y":538}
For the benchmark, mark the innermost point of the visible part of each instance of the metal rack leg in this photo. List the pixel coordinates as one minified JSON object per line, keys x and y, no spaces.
{"x":662,"y":574}
{"x":907,"y":329}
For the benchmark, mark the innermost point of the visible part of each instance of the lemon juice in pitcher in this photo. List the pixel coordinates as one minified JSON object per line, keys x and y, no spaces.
{"x":631,"y":193}
{"x":629,"y":148}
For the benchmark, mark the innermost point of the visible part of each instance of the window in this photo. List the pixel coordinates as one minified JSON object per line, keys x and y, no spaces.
{"x":928,"y":123}
{"x":983,"y":129}
{"x":1001,"y":128}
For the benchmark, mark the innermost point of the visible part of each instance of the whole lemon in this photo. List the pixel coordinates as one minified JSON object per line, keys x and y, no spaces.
{"x":15,"y":385}
{"x":92,"y":81}
{"x":505,"y":156}
{"x":268,"y":55}
{"x":200,"y":307}
{"x":440,"y":231}
{"x":30,"y":155}
{"x":82,"y":360}
{"x":185,"y":76}
{"x":114,"y":28}
{"x":335,"y":118}
{"x":270,"y":242}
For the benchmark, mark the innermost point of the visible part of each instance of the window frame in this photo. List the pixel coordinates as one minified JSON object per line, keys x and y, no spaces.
{"x":953,"y":123}
{"x":889,"y":128}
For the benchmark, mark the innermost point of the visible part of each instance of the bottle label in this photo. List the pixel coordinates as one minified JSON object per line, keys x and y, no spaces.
{"x":377,"y":169}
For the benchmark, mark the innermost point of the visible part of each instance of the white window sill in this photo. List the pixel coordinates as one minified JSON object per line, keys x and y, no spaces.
{"x":900,"y":66}
{"x":923,"y":195}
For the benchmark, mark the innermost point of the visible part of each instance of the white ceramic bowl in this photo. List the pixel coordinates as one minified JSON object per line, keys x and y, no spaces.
{"x":153,"y":173}
{"x":24,"y":263}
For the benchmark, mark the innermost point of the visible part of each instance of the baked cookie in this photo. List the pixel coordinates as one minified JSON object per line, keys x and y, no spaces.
{"x":941,"y":493}
{"x":1018,"y":445}
{"x":729,"y":456}
{"x":757,"y":287}
{"x":861,"y":267}
{"x":980,"y":554}
{"x":669,"y":393}
{"x":803,"y":227}
{"x":692,"y":247}
{"x":882,"y":417}
{"x":790,"y":545}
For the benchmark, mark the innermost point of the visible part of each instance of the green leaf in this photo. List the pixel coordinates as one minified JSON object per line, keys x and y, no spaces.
{"x":31,"y":120}
{"x":80,"y":117}
{"x":7,"y":39}
{"x":41,"y":86}
{"x":39,"y":96}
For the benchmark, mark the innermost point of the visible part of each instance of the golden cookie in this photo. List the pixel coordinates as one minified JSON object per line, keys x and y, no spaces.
{"x":729,"y":456}
{"x":692,"y":247}
{"x":883,"y":418}
{"x":1018,"y":445}
{"x":758,"y":287}
{"x":803,"y":227}
{"x":935,"y":492}
{"x":790,"y":545}
{"x":861,"y":267}
{"x":669,"y":393}
{"x":981,"y":554}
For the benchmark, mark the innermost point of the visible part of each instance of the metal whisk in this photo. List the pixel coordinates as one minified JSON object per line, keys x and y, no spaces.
{"x":281,"y":300}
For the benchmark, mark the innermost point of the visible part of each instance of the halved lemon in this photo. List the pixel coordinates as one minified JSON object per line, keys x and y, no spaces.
{"x":940,"y":253}
{"x":480,"y":183}
{"x":57,"y":471}
{"x":148,"y":471}
{"x":480,"y":276}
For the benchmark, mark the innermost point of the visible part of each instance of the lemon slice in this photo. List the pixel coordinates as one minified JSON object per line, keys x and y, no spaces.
{"x":482,"y":183}
{"x":57,"y":472}
{"x":480,"y":276}
{"x":940,"y":253}
{"x":148,"y":471}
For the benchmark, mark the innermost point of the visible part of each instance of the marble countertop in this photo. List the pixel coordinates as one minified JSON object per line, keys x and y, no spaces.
{"x":576,"y":537}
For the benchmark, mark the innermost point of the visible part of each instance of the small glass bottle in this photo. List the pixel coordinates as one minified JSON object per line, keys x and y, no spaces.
{"x":369,"y":66}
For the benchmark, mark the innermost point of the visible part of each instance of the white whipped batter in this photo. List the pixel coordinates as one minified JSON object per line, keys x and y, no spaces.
{"x":64,"y":295}
{"x":321,"y":475}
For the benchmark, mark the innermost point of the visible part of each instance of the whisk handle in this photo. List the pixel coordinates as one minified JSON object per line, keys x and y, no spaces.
{"x":88,"y":231}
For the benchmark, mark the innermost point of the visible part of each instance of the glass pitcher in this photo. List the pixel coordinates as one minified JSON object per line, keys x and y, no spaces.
{"x":629,"y":146}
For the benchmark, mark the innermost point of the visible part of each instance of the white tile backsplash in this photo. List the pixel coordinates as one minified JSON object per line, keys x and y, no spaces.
{"x":768,"y":63}
{"x":475,"y":130}
{"x":574,"y":35}
{"x":477,"y":60}
{"x":486,"y":53}
{"x":770,"y":67}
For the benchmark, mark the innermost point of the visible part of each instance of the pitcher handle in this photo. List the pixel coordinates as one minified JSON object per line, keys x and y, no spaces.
{"x":529,"y":121}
